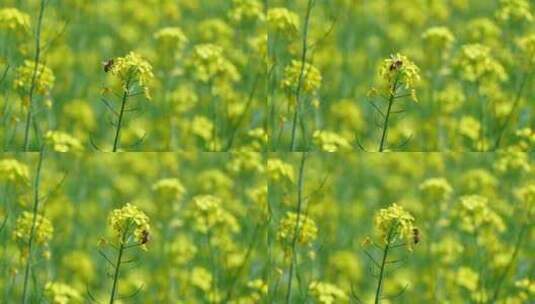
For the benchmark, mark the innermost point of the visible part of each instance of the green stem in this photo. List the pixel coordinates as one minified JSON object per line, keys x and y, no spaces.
{"x":116,"y":271}
{"x":213,"y":267}
{"x":214,"y":119}
{"x":382,"y":268}
{"x":234,"y":278}
{"x":34,"y":75}
{"x":509,"y":265}
{"x":35,"y":210}
{"x":234,"y":128}
{"x":387,"y":116}
{"x":296,"y":230}
{"x":509,"y":116}
{"x":301,"y":74}
{"x":120,"y":121}
{"x":481,"y":142}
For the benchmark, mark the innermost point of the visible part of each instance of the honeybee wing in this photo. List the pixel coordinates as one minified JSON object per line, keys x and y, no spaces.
{"x":107,"y":65}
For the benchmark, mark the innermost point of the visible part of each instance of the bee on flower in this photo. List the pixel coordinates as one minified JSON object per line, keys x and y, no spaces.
{"x":399,"y":73}
{"x":131,"y":225}
{"x":133,"y":71}
{"x":399,"y":78}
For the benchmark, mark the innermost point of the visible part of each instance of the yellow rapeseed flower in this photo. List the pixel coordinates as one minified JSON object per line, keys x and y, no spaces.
{"x":129,"y":221}
{"x":44,"y":80}
{"x":133,"y":70}
{"x":14,"y":20}
{"x":43,"y":228}
{"x":395,"y":223}
{"x":306,"y":232}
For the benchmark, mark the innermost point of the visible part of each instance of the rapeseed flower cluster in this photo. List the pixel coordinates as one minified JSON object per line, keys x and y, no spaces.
{"x":12,"y":170}
{"x":476,"y":64}
{"x":304,"y":232}
{"x":330,"y":141}
{"x":395,"y":223}
{"x":309,"y":76}
{"x":283,"y":22}
{"x":207,"y":214}
{"x":208,"y":64}
{"x":514,"y":10}
{"x":398,"y":72}
{"x":169,"y":189}
{"x":42,"y":232}
{"x":475,"y":215}
{"x":172,"y":38}
{"x":129,"y":223}
{"x":326,"y":293}
{"x":436,"y":189}
{"x":246,"y":10}
{"x":14,"y":20}
{"x":279,"y":170}
{"x":44,"y":78}
{"x":133,"y":71}
{"x":60,"y":293}
{"x":63,"y":142}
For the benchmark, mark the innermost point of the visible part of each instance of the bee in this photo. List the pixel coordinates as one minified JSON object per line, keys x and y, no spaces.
{"x":145,"y":237}
{"x":416,"y":235}
{"x":107,"y":65}
{"x":396,"y":63}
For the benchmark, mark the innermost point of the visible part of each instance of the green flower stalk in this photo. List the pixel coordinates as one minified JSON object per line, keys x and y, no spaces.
{"x":35,"y":74}
{"x":296,"y":229}
{"x":304,"y":73}
{"x":132,"y":229}
{"x":32,"y":229}
{"x":400,"y":77}
{"x":134,"y":74}
{"x":396,"y":229}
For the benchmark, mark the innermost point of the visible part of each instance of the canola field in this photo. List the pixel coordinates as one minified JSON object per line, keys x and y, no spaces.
{"x":267,"y":151}
{"x":308,"y":75}
{"x":244,"y":227}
